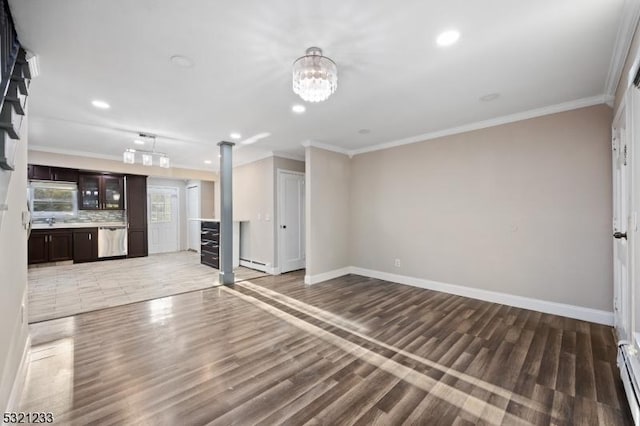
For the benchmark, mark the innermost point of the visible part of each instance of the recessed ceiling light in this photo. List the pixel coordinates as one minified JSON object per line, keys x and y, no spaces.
{"x":298,"y":109}
{"x":235,"y":135}
{"x":219,"y":155}
{"x":490,"y":97}
{"x":364,"y":131}
{"x":100,"y":104}
{"x":138,"y":142}
{"x":181,"y":61}
{"x":207,"y":161}
{"x":447,"y":38}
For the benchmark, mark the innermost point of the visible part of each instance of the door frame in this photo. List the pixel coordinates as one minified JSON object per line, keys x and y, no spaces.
{"x":279,"y":200}
{"x":177,"y":189}
{"x":198,"y":189}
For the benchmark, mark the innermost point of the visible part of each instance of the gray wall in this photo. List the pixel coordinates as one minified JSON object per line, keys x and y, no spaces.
{"x":253,"y":197}
{"x":522,"y":208}
{"x":254,"y":200}
{"x":13,"y":272}
{"x":327,"y":211}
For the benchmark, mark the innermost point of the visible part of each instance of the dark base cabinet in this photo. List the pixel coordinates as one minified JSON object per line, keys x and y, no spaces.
{"x":38,"y":247}
{"x":85,"y":245}
{"x":50,"y":246}
{"x":210,"y":244}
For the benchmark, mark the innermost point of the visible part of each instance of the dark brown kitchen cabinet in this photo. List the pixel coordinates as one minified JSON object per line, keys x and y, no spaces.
{"x":50,"y":246}
{"x":59,"y":174}
{"x":85,"y":245}
{"x":210,"y":244}
{"x":38,"y":172}
{"x":100,"y":192}
{"x":138,"y":245}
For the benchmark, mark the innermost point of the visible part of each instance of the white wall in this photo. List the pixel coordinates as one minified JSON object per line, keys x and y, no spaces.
{"x":327,"y":212}
{"x":13,"y":273}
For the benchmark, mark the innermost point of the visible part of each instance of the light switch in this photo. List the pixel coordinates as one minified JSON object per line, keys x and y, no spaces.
{"x":259,"y":216}
{"x":267,"y":217}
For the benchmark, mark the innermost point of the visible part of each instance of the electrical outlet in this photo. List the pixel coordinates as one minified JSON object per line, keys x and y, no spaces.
{"x":267,"y":217}
{"x":396,"y":263}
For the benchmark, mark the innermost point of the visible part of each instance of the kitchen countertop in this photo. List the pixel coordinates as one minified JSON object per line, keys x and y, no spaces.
{"x":206,"y":219}
{"x":63,"y":225}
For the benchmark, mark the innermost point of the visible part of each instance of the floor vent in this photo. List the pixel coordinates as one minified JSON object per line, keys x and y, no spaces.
{"x":630,"y":382}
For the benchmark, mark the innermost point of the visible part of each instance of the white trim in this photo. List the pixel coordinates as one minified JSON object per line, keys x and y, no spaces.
{"x":20,"y":380}
{"x":325,"y":276}
{"x":629,"y":20}
{"x":253,"y":160}
{"x":562,"y":309}
{"x":539,"y":112}
{"x":273,"y":270}
{"x":327,"y":147}
{"x":289,"y":156}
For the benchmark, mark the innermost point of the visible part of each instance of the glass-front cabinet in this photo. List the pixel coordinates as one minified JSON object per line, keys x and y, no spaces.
{"x":100,"y":192}
{"x":89,"y":192}
{"x":113,"y":192}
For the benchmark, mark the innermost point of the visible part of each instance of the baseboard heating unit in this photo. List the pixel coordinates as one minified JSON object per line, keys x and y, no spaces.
{"x":629,"y":380}
{"x":254,"y":264}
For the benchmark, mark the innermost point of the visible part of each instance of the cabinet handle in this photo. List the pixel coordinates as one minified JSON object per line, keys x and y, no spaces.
{"x":89,"y":237}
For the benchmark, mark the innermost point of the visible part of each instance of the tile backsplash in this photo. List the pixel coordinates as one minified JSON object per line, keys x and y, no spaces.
{"x":90,"y":216}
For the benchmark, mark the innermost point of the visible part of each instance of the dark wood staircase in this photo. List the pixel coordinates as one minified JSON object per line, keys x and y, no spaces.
{"x":14,"y":87}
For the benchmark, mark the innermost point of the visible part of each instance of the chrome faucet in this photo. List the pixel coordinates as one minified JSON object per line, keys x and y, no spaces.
{"x":51,"y":220}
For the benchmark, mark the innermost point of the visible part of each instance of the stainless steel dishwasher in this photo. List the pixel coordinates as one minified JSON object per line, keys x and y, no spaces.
{"x":112,"y":241}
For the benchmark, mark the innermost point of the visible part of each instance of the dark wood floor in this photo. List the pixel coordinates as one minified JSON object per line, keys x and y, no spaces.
{"x":350,"y":351}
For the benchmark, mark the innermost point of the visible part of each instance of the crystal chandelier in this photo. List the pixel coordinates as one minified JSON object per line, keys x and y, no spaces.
{"x":129,"y":155}
{"x":315,"y":77}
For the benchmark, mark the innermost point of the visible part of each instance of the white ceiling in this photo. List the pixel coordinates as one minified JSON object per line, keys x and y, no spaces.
{"x":393,"y":78}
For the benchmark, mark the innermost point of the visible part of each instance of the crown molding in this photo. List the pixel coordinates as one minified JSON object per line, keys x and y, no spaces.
{"x":289,"y":156}
{"x":538,"y":112}
{"x":327,"y":147}
{"x":626,"y":30}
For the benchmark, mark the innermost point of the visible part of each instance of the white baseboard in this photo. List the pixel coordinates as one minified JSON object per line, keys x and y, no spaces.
{"x":273,"y":270}
{"x":13,"y":405}
{"x":562,"y":309}
{"x":314,"y":279}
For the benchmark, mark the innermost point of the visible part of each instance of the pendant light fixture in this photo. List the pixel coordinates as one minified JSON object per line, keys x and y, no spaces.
{"x":129,"y":155}
{"x":315,"y":77}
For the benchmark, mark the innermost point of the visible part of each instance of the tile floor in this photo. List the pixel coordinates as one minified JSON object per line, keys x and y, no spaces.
{"x":63,"y":290}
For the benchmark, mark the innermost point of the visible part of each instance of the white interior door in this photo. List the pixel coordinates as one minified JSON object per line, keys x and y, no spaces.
{"x":621,"y":219}
{"x":291,"y":255}
{"x":193,"y":211}
{"x":163,"y":219}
